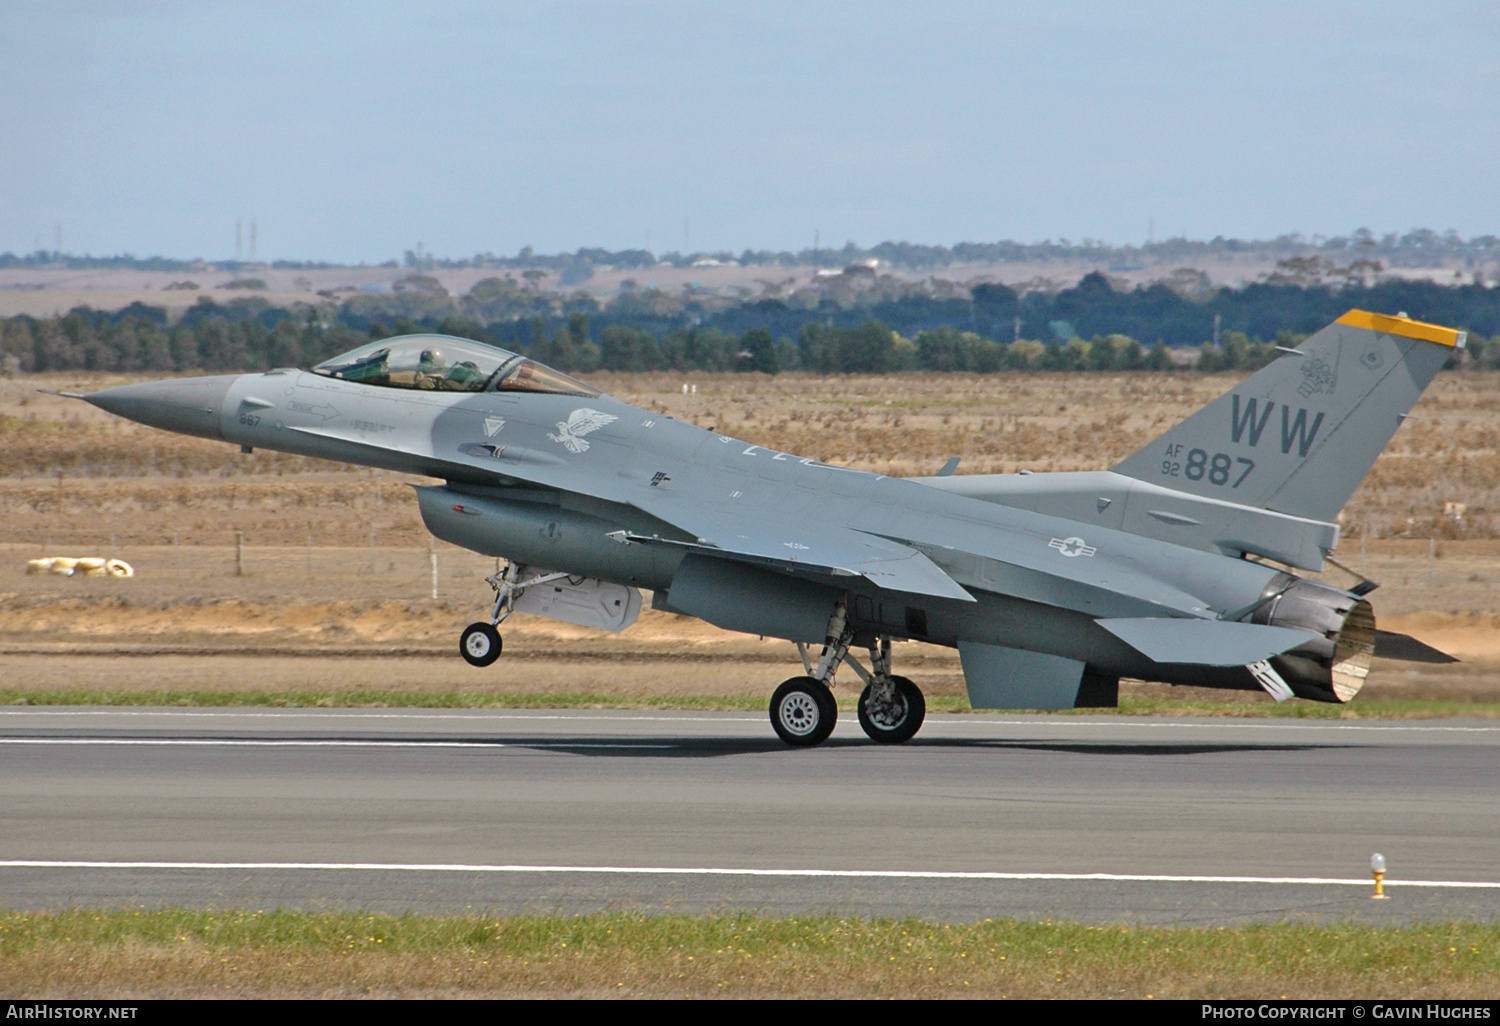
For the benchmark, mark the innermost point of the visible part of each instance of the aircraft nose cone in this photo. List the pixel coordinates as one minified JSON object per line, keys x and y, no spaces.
{"x":190,"y":406}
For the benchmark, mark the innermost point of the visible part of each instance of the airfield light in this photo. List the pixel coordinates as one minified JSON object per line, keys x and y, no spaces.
{"x":1377,"y":867}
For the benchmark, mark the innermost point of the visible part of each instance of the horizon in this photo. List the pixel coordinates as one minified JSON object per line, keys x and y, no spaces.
{"x":1352,"y":242}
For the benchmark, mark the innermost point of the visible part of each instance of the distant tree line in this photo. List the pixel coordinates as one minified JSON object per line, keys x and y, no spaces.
{"x":1419,"y":247}
{"x":854,"y":323}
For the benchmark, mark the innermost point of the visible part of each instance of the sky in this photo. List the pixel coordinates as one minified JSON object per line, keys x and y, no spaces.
{"x":352,"y":131}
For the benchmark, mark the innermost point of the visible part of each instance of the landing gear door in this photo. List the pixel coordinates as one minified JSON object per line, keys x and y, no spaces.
{"x":588,"y":603}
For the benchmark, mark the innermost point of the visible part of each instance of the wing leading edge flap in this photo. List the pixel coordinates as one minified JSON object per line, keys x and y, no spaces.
{"x":1204,"y":642}
{"x":884,"y":563}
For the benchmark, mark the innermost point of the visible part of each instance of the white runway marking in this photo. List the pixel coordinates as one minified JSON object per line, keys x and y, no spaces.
{"x":943,"y":719}
{"x":885,"y":874}
{"x":35,"y":711}
{"x":1157,"y":724}
{"x":257,"y":743}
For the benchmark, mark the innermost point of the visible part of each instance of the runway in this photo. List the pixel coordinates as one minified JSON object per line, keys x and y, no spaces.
{"x":1097,"y":818}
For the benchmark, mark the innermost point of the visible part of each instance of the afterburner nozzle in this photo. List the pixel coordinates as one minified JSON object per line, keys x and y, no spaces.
{"x":189,"y":406}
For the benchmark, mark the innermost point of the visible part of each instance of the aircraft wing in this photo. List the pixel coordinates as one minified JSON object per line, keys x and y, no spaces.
{"x":820,"y":551}
{"x":1204,"y":642}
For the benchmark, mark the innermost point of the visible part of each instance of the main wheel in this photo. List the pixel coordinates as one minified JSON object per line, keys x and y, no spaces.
{"x":803,"y":711}
{"x":480,"y":644}
{"x":898,"y":721}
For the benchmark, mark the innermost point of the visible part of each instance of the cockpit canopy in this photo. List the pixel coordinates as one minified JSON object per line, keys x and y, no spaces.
{"x":444,"y":363}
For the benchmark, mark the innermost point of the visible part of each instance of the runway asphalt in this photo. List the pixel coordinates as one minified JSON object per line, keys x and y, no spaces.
{"x":575,"y":811}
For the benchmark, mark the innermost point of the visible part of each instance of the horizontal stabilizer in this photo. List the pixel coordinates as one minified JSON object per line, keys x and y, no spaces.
{"x":1390,"y":645}
{"x":1204,"y":642}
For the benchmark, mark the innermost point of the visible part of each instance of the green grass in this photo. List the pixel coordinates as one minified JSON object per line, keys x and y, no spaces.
{"x":185,"y":952}
{"x":1371,"y":709}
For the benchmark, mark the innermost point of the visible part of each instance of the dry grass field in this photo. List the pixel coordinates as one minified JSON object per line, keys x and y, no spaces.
{"x":335,"y":597}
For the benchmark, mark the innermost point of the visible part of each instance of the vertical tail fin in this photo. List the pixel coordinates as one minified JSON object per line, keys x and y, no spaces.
{"x":1299,"y":435}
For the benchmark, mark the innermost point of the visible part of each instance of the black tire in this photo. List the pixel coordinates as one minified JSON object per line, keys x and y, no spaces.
{"x":803,"y":712}
{"x":891,"y":727}
{"x":479,"y":644}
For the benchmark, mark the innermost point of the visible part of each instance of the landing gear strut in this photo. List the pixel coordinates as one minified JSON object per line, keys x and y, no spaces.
{"x":891,"y":709}
{"x":480,"y":643}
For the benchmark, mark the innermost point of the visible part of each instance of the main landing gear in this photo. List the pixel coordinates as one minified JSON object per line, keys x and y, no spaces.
{"x":480,"y":643}
{"x":891,"y":709}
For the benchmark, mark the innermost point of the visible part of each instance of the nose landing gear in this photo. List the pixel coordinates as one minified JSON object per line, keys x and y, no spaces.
{"x":480,"y":643}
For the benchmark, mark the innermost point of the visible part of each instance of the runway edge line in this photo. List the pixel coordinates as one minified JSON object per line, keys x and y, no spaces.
{"x":916,"y":874}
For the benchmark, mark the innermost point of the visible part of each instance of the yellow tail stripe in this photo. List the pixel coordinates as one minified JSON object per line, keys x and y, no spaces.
{"x":1405,"y":327}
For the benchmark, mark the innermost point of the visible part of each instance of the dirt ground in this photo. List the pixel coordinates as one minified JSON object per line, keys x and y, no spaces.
{"x":335,"y":592}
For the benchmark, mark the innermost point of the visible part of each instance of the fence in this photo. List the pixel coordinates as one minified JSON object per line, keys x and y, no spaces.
{"x":219,"y":563}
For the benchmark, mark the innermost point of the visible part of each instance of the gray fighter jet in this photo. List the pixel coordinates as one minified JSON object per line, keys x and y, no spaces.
{"x":1175,"y":566}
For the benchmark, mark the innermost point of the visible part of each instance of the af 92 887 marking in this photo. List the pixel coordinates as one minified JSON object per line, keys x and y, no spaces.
{"x":1218,"y":468}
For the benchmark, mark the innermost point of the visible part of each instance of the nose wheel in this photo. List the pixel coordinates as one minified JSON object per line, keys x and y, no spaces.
{"x":480,"y":644}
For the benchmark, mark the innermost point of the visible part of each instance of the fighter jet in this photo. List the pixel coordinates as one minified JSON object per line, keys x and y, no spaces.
{"x":1177,"y":565}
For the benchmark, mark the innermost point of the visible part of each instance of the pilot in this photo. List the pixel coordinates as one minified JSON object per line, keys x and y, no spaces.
{"x":430,"y":367}
{"x":465,"y":376}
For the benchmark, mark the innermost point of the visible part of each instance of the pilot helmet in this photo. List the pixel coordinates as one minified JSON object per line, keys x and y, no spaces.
{"x":432,"y":358}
